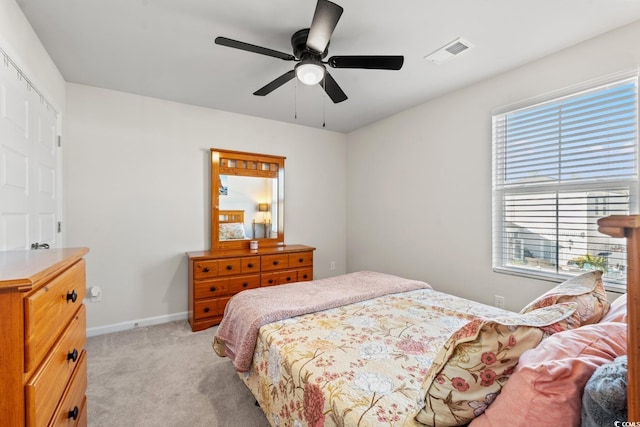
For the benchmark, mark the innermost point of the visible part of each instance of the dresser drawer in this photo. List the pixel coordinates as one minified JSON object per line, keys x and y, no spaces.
{"x":289,"y":276}
{"x":73,"y":409}
{"x":207,"y":308}
{"x":274,"y":262}
{"x":269,"y":279}
{"x":305,"y":274}
{"x":48,"y":311}
{"x":211,"y":288}
{"x":301,"y":259}
{"x":279,"y":278}
{"x":205,"y":269}
{"x":225,"y":286}
{"x":240,"y":283}
{"x":230,"y":266}
{"x":46,"y":386}
{"x":250,"y":265}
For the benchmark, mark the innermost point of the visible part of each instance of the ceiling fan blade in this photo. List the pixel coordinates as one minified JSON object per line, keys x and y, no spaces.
{"x":324,"y":22}
{"x":223,"y":41}
{"x":275,"y":84}
{"x":377,"y":62}
{"x":333,"y":90}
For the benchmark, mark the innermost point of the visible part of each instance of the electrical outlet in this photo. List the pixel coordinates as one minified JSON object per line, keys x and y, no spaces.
{"x":95,"y":293}
{"x":498,"y":301}
{"x":332,"y":265}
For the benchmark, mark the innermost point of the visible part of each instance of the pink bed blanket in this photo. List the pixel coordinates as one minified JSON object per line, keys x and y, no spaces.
{"x":247,"y":311}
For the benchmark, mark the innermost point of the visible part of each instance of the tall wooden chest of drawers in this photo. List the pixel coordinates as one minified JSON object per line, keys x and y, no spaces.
{"x":214,"y":277}
{"x":43,"y":364}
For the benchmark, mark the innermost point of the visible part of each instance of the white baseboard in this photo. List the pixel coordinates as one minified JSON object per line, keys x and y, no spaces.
{"x":123,"y":326}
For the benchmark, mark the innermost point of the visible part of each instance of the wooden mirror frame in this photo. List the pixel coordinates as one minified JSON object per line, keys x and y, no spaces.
{"x":238,"y":163}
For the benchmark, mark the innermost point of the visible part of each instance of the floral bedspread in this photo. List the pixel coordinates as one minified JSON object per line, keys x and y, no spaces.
{"x":247,"y":311}
{"x":362,"y":364}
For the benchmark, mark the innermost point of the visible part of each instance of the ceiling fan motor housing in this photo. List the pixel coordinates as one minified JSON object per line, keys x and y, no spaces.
{"x":300,"y":49}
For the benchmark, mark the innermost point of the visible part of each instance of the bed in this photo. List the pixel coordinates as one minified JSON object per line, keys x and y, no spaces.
{"x":231,"y":225}
{"x":370,"y":349}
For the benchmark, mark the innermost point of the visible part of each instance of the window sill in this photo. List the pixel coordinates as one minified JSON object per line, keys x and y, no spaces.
{"x":615,"y":287}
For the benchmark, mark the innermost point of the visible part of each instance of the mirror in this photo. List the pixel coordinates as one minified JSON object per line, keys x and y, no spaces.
{"x":247,"y":199}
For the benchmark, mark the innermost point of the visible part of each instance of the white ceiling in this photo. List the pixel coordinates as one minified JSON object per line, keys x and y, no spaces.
{"x":165,"y":48}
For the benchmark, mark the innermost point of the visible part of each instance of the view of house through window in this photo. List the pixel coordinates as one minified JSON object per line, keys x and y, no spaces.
{"x":558,"y":166}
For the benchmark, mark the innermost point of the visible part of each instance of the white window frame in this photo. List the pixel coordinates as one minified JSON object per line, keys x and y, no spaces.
{"x":505,"y":189}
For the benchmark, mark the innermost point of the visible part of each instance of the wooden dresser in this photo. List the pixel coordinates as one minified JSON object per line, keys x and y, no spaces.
{"x":43,"y":364}
{"x":214,"y":277}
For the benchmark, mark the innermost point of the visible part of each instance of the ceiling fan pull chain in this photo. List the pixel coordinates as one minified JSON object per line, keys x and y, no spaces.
{"x":324,"y":119}
{"x":295,"y":99}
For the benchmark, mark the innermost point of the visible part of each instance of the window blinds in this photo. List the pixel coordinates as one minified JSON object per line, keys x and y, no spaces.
{"x":558,"y":166}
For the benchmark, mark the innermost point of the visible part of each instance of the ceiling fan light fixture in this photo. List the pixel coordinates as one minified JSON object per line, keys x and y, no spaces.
{"x":310,"y":73}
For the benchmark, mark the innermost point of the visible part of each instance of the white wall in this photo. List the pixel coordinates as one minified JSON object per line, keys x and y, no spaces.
{"x":419,"y":182}
{"x":137,"y":193}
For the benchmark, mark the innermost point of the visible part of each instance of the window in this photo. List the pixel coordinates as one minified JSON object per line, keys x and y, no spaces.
{"x":558,"y":166}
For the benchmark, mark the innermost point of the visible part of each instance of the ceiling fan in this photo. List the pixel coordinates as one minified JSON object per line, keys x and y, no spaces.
{"x":310,"y":47}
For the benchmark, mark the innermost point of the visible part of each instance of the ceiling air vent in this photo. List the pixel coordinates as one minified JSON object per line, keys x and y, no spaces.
{"x":448,"y":51}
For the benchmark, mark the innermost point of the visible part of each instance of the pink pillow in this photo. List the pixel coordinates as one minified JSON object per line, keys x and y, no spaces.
{"x":547,"y":386}
{"x":618,"y":310}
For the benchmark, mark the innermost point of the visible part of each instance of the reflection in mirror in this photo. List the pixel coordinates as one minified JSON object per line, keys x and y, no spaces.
{"x":246,"y":207}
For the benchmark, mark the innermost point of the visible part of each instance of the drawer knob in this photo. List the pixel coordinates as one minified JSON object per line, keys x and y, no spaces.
{"x":250,"y":265}
{"x":270,"y":281}
{"x":73,"y":355}
{"x":212,"y":289}
{"x":229,"y":267}
{"x":206,"y":309}
{"x":276,"y":262}
{"x":73,"y":414}
{"x":205,"y":270}
{"x":245,"y":284}
{"x":304,"y":276}
{"x":300,"y":259}
{"x":72,"y":296}
{"x":288,"y":279}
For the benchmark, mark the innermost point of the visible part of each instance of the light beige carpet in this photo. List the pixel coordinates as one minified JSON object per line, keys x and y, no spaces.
{"x":165,"y":376}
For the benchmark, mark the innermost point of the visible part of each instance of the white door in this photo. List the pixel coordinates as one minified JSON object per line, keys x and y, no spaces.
{"x":29,"y":166}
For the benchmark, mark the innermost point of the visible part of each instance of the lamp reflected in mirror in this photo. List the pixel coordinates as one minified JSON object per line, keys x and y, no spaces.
{"x":264,"y":208}
{"x":266,"y":223}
